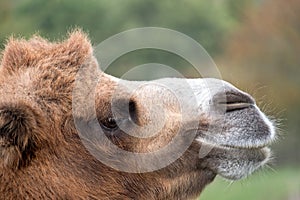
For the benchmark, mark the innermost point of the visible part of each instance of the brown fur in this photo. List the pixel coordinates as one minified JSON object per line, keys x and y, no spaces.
{"x":41,"y":154}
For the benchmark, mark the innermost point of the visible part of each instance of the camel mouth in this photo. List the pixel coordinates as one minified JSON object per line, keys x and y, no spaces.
{"x":242,"y":147}
{"x":238,"y":141}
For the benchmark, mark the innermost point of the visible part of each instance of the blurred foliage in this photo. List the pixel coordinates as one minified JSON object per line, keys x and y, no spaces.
{"x":255,"y":42}
{"x":208,"y":22}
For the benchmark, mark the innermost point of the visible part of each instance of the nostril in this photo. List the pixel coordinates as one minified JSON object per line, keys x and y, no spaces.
{"x":232,"y":100}
{"x":237,"y":97}
{"x":236,"y":106}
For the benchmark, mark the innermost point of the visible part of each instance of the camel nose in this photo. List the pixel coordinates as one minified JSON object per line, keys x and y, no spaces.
{"x":233,"y":100}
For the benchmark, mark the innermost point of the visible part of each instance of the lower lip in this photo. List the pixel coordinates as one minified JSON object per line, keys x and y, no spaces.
{"x":265,"y":151}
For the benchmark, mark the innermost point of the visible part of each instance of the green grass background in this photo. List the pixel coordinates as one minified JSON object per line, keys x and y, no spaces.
{"x":281,"y":184}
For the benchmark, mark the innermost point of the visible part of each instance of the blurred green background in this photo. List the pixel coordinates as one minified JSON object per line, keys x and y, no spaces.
{"x":255,"y":44}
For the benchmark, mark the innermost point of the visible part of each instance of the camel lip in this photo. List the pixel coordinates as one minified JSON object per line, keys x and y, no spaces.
{"x":237,"y":164}
{"x":234,"y":163}
{"x":234,"y":147}
{"x":250,"y":147}
{"x":245,"y":145}
{"x":246,"y":128}
{"x":266,"y":150}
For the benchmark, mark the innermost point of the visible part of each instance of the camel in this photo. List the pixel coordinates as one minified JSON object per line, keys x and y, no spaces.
{"x":60,"y":138}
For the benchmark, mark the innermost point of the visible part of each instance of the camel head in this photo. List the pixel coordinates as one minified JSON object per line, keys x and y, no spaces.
{"x":69,"y":130}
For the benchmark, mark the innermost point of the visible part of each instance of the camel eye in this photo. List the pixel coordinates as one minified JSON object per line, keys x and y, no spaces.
{"x":109,"y":124}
